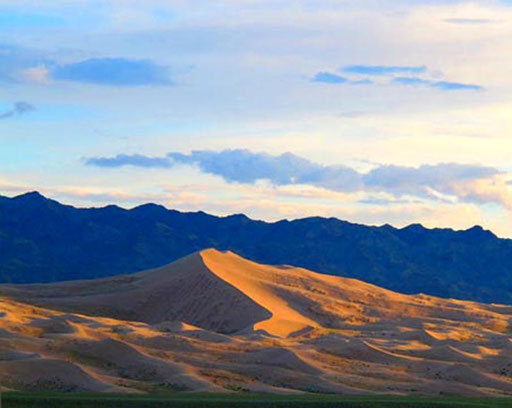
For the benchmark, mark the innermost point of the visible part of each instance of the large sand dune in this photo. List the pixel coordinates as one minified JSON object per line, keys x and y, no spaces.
{"x":214,"y":321}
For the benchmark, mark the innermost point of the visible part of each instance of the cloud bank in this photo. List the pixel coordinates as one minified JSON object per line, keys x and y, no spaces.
{"x":444,"y":181}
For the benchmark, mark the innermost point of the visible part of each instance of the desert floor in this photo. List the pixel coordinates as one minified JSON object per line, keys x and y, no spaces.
{"x":216,"y":322}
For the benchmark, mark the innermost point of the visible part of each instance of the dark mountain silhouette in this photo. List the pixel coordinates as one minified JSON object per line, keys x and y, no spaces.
{"x":42,"y":240}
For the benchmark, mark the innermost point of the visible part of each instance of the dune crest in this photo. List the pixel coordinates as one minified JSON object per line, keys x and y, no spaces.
{"x":214,"y":321}
{"x":258,"y":282}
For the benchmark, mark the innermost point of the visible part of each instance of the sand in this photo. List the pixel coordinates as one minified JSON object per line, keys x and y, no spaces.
{"x":214,"y":321}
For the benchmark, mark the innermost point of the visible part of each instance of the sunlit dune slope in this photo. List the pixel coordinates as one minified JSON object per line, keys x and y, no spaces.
{"x":214,"y":321}
{"x":298,"y":298}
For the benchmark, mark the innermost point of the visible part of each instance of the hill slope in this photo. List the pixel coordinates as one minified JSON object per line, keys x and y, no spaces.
{"x":215,"y":321}
{"x":44,"y":241}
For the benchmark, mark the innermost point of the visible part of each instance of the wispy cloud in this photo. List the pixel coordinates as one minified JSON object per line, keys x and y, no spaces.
{"x":393,"y":75}
{"x":334,"y":79}
{"x":468,"y":21}
{"x":329,"y":78}
{"x":129,"y":160}
{"x":444,"y":181}
{"x":442,"y":85}
{"x":19,"y":108}
{"x":114,"y":71}
{"x":364,"y":81}
{"x":383,"y":69}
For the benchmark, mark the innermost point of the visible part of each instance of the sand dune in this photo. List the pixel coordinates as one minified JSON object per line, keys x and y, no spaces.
{"x":42,"y":374}
{"x":214,"y":321}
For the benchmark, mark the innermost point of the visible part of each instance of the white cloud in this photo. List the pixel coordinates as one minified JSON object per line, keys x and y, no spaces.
{"x":443,"y":181}
{"x":36,"y":75}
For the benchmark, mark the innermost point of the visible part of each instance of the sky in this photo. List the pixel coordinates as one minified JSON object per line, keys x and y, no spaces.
{"x":372,"y":111}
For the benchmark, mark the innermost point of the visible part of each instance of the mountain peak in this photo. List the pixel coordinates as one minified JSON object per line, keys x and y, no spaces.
{"x":478,"y":230}
{"x":416,"y":227}
{"x":149,"y":208}
{"x":31,"y":195}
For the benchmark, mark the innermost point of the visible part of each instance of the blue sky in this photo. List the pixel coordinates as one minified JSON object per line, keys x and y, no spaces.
{"x":370,"y":111}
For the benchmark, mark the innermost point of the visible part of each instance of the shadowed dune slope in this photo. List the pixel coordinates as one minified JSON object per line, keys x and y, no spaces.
{"x":185,"y":290}
{"x":214,"y":321}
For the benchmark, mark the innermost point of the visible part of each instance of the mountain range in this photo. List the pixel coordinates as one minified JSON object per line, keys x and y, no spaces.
{"x":216,"y":322}
{"x":42,"y":240}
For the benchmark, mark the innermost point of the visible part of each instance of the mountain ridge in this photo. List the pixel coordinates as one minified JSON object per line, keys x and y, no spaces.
{"x":44,"y":241}
{"x":38,"y":196}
